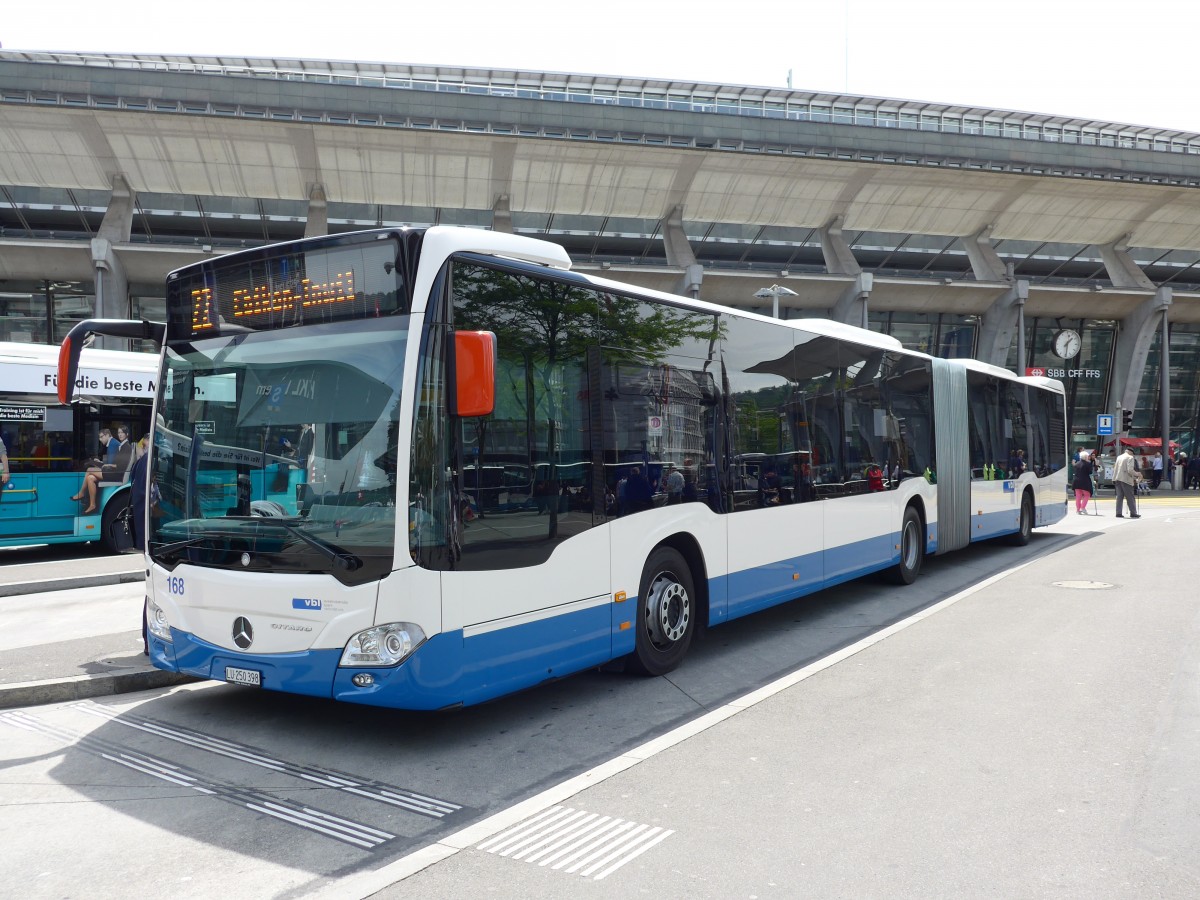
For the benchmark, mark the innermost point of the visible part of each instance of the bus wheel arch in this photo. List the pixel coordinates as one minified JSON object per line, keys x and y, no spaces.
{"x":672,"y":603}
{"x":912,"y":545}
{"x":113,"y":537}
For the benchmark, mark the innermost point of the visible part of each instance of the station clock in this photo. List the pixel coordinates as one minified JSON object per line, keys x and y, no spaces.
{"x":1067,"y":343}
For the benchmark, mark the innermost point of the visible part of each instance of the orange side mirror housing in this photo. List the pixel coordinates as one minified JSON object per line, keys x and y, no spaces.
{"x":68,"y":367}
{"x":474,"y":373}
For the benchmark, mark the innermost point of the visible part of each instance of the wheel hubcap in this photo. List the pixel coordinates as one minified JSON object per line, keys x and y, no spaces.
{"x":668,"y":610}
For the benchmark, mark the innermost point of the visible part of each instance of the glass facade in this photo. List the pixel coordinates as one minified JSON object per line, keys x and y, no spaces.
{"x":1087,"y":377}
{"x":42,"y":316}
{"x":1184,"y":387}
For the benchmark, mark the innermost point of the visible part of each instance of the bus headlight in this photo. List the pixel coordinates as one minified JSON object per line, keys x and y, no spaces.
{"x":156,"y":621}
{"x":383,"y":645}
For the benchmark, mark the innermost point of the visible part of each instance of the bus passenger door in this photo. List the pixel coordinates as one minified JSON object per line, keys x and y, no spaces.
{"x":504,"y":504}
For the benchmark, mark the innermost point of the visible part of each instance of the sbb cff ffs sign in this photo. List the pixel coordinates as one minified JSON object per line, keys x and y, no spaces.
{"x":1062,"y":373}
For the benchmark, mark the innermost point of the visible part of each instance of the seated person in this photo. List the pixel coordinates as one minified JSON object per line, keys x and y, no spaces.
{"x":116,"y":470}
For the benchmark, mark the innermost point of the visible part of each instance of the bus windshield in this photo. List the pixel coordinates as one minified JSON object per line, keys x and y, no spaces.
{"x":276,"y":450}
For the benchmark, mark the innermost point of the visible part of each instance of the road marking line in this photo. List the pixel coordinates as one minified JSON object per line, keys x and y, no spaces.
{"x":372,"y":790}
{"x":356,"y":834}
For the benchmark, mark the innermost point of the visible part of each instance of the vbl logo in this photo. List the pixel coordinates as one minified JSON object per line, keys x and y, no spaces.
{"x":305,"y":603}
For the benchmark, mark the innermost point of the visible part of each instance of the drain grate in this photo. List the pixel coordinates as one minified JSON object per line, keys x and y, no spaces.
{"x":1084,"y":585}
{"x":576,"y":841}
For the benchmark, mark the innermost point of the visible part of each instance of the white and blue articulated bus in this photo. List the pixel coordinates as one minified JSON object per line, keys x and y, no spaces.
{"x":48,"y":447}
{"x":424,"y":468}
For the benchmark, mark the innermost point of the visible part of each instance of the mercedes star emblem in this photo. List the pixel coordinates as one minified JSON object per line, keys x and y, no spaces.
{"x":243,"y":632}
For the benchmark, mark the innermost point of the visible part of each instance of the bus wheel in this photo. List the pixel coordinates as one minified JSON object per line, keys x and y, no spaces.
{"x":114,"y":535}
{"x":912,"y":549}
{"x":666,"y":613}
{"x":1025,"y":529}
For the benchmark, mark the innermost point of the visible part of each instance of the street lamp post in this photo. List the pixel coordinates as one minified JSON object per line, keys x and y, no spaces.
{"x":774,"y":292}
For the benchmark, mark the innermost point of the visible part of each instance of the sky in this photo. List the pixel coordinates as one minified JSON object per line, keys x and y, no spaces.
{"x":1099,"y":59}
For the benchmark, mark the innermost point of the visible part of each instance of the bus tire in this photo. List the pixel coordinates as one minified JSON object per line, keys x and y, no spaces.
{"x":1025,"y":524}
{"x":113,"y":535}
{"x":912,"y":549}
{"x":666,"y":613}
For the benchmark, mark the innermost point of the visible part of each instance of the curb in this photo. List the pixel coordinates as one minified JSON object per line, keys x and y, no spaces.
{"x":80,"y":687}
{"x":70,"y":583}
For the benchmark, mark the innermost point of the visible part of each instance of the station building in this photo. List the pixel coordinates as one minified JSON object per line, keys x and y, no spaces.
{"x":1030,"y":241}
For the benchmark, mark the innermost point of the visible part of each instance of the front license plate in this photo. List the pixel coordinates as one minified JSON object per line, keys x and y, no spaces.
{"x":243,"y":676}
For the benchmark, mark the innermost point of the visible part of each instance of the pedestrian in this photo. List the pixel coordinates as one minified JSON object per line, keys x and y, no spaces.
{"x":674,"y":485}
{"x":638,"y":495}
{"x":1193,"y":472}
{"x":137,"y":493}
{"x":137,"y":506}
{"x":1126,"y":478}
{"x":1156,"y":468}
{"x":1082,"y":482}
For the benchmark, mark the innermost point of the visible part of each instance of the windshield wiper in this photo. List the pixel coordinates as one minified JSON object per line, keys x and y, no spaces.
{"x":168,"y":549}
{"x":335,"y":554}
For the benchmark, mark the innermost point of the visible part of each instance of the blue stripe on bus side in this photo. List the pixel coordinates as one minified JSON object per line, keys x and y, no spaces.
{"x":509,"y":659}
{"x":995,"y":524}
{"x":754,"y":589}
{"x":1008,"y":521}
{"x":449,"y":669}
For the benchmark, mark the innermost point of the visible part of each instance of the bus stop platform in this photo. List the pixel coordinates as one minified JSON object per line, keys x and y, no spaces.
{"x":70,"y":626}
{"x":27,"y":571}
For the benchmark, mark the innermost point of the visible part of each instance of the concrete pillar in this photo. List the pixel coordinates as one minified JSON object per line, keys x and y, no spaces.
{"x":851,"y":307}
{"x":839,"y":258}
{"x":1133,"y":346}
{"x":1000,"y":326}
{"x":985,"y":261}
{"x":111,"y":282}
{"x":317,"y":223}
{"x":117,"y":223}
{"x":680,"y":255}
{"x":1123,"y":272}
{"x":502,"y":215}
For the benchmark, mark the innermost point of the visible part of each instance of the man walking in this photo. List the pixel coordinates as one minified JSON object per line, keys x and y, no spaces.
{"x":1125,"y":479}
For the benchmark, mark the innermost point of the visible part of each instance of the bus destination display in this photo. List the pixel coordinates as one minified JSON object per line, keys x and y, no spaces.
{"x":260,"y":292}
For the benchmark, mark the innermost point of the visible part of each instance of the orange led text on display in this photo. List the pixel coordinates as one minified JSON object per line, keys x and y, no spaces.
{"x":264,"y":300}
